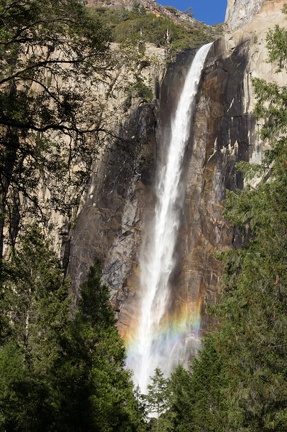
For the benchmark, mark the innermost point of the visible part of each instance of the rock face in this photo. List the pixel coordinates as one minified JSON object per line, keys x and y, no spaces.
{"x":120,"y":197}
{"x":239,"y":12}
{"x":149,"y":6}
{"x":108,"y":225}
{"x":110,"y":206}
{"x":225,"y":132}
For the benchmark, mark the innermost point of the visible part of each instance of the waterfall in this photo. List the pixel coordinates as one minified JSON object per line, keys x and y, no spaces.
{"x":164,"y":338}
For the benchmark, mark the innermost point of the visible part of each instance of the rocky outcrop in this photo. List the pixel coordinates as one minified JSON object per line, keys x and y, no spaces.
{"x":86,"y":216}
{"x":150,"y":6}
{"x":120,"y":198}
{"x":239,"y":12}
{"x":224,"y":133}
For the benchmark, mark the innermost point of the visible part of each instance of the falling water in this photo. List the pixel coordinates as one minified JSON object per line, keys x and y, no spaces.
{"x":161,"y":341}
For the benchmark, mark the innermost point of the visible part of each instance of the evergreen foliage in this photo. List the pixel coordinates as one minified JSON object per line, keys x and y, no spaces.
{"x":94,"y":365}
{"x":157,"y":402}
{"x":157,"y":397}
{"x":196,"y":395}
{"x":35,"y":306}
{"x":162,"y":31}
{"x":57,"y":372}
{"x":154,"y":405}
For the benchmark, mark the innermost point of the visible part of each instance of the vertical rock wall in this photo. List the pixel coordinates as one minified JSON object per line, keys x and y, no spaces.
{"x":239,"y":12}
{"x":121,"y":200}
{"x":108,"y":225}
{"x":224,"y":133}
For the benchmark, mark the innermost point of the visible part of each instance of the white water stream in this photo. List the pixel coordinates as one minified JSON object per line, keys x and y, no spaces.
{"x":157,"y":342}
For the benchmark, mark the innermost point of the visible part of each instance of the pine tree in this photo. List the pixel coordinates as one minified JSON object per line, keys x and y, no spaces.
{"x":60,"y":372}
{"x":35,"y":307}
{"x":98,"y":393}
{"x":157,"y":402}
{"x":197,"y":401}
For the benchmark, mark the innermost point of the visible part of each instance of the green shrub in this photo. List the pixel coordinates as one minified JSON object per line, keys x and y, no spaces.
{"x":145,"y":27}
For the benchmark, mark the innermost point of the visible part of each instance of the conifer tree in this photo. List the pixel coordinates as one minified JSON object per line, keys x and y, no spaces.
{"x":59,"y":372}
{"x":196,"y":395}
{"x":34,"y":306}
{"x":97,"y":391}
{"x":157,"y":402}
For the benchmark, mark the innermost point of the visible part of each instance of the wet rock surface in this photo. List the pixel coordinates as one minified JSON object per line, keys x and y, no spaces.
{"x":221,"y":137}
{"x":120,"y":202}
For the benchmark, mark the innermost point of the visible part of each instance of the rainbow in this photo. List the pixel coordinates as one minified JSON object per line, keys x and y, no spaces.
{"x":178,"y":326}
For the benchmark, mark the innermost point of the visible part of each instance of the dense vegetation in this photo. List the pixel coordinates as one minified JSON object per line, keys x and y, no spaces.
{"x":59,"y":372}
{"x":137,"y":26}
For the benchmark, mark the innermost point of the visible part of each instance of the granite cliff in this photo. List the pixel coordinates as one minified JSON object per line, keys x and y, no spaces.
{"x":239,"y":12}
{"x":111,"y":221}
{"x":108,"y":216}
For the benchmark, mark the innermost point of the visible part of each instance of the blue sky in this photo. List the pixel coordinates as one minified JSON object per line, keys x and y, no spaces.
{"x":209,"y":11}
